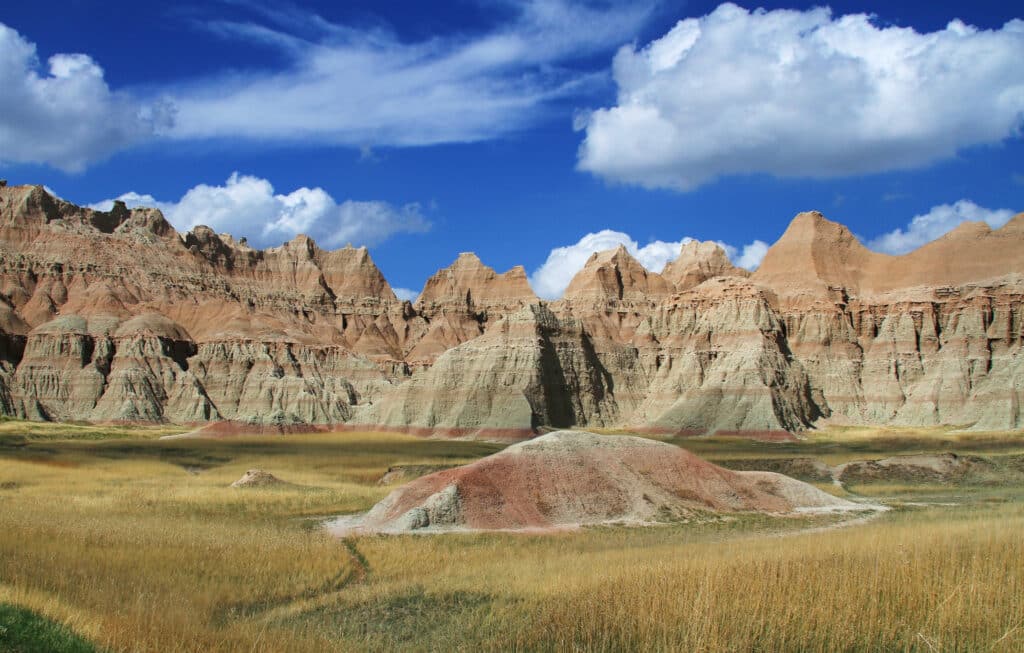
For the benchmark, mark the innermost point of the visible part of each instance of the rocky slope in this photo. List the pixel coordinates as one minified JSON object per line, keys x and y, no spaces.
{"x":116,"y":316}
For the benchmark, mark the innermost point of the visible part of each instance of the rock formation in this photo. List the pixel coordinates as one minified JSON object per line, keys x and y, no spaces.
{"x":699,"y":262}
{"x":573,"y":478}
{"x":616,"y":275}
{"x":113,"y":315}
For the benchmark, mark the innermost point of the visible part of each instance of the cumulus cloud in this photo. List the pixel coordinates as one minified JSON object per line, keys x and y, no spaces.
{"x":368,"y":88}
{"x":65,"y":116}
{"x":802,"y":94}
{"x":375,"y":221}
{"x":937,"y":222}
{"x":551,"y":279}
{"x":748,"y":257}
{"x":247,"y":206}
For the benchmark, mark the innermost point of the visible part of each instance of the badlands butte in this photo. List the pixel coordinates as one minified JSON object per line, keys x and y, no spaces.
{"x":109,"y":316}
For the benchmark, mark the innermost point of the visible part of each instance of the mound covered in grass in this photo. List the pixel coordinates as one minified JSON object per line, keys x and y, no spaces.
{"x":572,"y":478}
{"x":258,"y":478}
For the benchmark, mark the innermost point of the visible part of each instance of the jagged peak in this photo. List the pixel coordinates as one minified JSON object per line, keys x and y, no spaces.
{"x":202,"y":232}
{"x":615,"y":274}
{"x":303,"y":243}
{"x":814,"y":224}
{"x":468,"y":259}
{"x":699,"y":261}
{"x":616,"y":255}
{"x":815,"y":254}
{"x":468,"y":277}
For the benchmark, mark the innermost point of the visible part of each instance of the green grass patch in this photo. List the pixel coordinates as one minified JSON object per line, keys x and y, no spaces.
{"x":24,"y":631}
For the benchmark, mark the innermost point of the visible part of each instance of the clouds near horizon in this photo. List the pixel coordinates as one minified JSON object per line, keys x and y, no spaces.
{"x":247,"y":206}
{"x":937,"y":222}
{"x":551,"y":279}
{"x":802,"y":94}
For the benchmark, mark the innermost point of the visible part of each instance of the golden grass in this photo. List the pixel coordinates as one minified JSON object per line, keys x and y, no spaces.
{"x":119,"y":541}
{"x":84,"y":430}
{"x":840,"y":444}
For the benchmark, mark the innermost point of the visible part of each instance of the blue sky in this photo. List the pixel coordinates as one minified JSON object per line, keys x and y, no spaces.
{"x":531,"y":133}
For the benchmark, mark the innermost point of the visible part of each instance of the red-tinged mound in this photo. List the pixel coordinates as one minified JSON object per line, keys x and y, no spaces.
{"x":572,"y":478}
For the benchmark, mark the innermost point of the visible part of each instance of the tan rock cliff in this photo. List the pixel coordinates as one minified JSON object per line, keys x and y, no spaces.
{"x":115,"y":316}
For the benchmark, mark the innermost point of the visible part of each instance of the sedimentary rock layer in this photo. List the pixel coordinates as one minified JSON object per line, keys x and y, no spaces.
{"x":116,"y":316}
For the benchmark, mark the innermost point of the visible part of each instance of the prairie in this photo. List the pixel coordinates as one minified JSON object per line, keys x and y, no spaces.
{"x":139,"y":544}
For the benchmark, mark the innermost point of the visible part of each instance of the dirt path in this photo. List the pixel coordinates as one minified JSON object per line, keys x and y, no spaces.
{"x":355,"y":571}
{"x":847,"y":523}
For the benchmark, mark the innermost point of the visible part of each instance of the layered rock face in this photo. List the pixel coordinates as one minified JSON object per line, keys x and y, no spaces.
{"x":931,"y":337}
{"x":115,"y":316}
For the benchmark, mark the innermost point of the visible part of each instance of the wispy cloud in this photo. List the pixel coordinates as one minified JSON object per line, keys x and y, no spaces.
{"x":370,"y":88}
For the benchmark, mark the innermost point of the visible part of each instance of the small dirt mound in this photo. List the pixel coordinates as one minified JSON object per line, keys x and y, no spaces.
{"x":257,"y":478}
{"x":572,"y":478}
{"x":941,"y":468}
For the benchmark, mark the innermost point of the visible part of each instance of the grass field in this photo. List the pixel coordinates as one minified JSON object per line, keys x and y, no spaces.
{"x":137,"y":544}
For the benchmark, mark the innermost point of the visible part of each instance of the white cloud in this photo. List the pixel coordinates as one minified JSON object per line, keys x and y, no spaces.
{"x":375,"y":221}
{"x":802,"y":93}
{"x":407,"y":294}
{"x":67,"y":116}
{"x":937,"y":222}
{"x":749,"y":257}
{"x":369,"y":88}
{"x":246,"y":206}
{"x":551,"y":279}
{"x":364,"y":88}
{"x":132,"y":200}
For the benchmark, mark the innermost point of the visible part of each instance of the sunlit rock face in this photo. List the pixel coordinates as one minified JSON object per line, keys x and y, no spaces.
{"x":116,"y":316}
